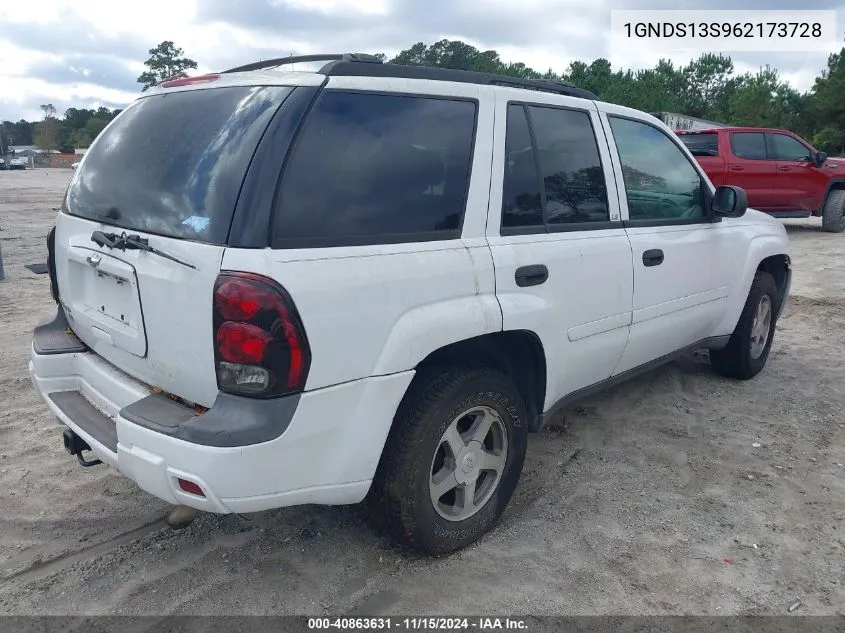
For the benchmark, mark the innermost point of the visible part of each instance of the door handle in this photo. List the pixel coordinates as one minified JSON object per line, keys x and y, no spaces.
{"x":784,"y":168}
{"x":653,"y":257}
{"x":737,"y":168}
{"x":531,"y":275}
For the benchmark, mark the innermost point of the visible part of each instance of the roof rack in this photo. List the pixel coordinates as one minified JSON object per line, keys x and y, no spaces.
{"x":281,"y":61}
{"x":351,"y":68}
{"x":363,"y":65}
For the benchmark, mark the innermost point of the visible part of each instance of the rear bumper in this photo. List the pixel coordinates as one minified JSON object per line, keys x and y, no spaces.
{"x":327,"y":454}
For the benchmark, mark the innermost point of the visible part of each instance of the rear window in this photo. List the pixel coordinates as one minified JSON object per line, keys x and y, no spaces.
{"x":173,"y":164}
{"x":377,"y":168}
{"x":705,"y":144}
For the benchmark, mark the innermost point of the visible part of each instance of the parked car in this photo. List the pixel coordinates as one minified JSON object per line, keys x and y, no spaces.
{"x":371,"y":282}
{"x":16,"y":163}
{"x":75,"y":165}
{"x":781,"y":173}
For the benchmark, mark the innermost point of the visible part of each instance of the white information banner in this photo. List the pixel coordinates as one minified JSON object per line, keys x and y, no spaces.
{"x":718,"y":31}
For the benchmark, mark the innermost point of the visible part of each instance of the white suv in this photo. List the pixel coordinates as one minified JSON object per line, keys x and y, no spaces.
{"x":372,"y":281}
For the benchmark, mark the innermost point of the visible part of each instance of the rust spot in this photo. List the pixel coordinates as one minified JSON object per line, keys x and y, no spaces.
{"x":198,"y":408}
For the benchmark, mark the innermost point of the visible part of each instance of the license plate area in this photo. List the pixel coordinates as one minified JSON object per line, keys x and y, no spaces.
{"x":104,"y":302}
{"x":113,"y":296}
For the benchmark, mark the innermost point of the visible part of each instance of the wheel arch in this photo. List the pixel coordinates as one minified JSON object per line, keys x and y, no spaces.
{"x":765,"y":253}
{"x":519,"y":354}
{"x":833,"y":185}
{"x":780,"y":268}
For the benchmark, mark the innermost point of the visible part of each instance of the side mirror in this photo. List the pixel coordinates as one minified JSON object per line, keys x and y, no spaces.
{"x":729,"y":202}
{"x":819,"y":159}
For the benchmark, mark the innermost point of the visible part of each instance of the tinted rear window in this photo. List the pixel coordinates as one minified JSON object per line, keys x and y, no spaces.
{"x":173,"y":164}
{"x":522,"y":202}
{"x":573,"y":177}
{"x":377,"y":168}
{"x":701,"y":144}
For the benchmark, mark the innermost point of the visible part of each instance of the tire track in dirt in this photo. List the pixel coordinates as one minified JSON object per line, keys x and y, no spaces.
{"x":44,"y":569}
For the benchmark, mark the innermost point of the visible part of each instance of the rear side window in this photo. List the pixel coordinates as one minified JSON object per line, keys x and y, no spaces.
{"x":173,"y":164}
{"x":553,"y":172}
{"x":705,"y":144}
{"x":377,"y":168}
{"x":522,"y":203}
{"x":573,"y":179}
{"x":749,"y":145}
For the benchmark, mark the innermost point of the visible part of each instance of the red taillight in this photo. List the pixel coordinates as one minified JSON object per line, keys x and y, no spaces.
{"x":189,"y":81}
{"x":238,"y":300}
{"x":260,"y":345}
{"x":242,"y":342}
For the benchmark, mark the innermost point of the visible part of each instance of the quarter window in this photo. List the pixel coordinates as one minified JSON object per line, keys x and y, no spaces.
{"x":372,"y":168}
{"x":660,"y":182}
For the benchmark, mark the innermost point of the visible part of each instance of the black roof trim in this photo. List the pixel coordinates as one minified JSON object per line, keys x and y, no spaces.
{"x":281,"y":61}
{"x":349,"y":68}
{"x":363,"y":65}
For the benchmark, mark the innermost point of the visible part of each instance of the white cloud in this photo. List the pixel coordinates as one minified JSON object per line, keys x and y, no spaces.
{"x":94,"y":49}
{"x":371,"y":7}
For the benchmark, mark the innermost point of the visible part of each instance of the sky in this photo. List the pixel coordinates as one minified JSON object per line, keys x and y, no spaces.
{"x":89,"y":53}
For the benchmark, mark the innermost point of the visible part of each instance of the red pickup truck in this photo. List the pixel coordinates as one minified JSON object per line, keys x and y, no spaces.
{"x":782,"y":174}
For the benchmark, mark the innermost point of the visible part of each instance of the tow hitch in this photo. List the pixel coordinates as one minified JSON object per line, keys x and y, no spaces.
{"x":75,"y":445}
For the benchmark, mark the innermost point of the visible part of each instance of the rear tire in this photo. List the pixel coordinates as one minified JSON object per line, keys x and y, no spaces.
{"x":748,"y":349}
{"x":833,"y":214}
{"x":427,"y":497}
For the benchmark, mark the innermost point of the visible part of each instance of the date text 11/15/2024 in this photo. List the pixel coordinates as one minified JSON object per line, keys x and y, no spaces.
{"x":418,"y":624}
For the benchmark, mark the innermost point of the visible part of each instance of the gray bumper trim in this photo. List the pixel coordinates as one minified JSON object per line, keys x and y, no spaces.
{"x":52,"y":337}
{"x":231,"y":421}
{"x":86,"y":417}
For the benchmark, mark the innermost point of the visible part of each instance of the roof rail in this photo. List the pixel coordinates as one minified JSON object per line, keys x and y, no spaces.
{"x":350,"y":68}
{"x":363,"y":65}
{"x":281,"y":61}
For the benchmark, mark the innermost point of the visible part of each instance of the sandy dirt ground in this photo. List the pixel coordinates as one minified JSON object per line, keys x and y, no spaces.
{"x":677,"y":493}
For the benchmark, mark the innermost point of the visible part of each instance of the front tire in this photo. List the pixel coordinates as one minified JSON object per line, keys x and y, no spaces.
{"x":748,"y":349}
{"x":452,"y":459}
{"x":833,"y":214}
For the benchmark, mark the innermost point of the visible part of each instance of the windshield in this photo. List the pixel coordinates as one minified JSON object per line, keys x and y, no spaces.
{"x":173,"y":164}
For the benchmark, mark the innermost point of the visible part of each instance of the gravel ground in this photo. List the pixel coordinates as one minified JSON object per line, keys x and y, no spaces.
{"x":677,"y":493}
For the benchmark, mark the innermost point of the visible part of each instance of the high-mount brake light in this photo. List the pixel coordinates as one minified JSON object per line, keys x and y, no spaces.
{"x":189,"y":81}
{"x":260,"y":346}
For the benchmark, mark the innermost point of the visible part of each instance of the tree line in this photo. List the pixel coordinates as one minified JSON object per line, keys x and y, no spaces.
{"x":77,"y":128}
{"x":708,"y":87}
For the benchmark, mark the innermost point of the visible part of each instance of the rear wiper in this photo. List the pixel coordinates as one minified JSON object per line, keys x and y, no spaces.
{"x":132,"y":242}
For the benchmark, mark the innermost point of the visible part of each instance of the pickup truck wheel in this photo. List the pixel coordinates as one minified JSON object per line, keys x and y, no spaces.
{"x":452,"y":459}
{"x":748,"y":349}
{"x":833,"y":214}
